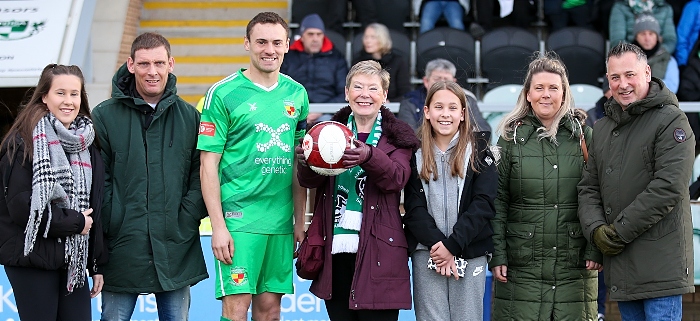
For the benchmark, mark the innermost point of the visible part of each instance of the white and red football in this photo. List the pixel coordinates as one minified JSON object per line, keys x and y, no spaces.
{"x":324,"y":146}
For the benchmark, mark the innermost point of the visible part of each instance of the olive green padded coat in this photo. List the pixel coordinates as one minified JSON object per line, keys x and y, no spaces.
{"x":537,"y":233}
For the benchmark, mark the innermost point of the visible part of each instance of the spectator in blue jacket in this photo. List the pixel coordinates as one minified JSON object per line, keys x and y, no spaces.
{"x":317,"y":65}
{"x":687,"y":31}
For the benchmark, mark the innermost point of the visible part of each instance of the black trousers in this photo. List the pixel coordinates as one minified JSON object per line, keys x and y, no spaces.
{"x":41,"y":295}
{"x":338,"y":306}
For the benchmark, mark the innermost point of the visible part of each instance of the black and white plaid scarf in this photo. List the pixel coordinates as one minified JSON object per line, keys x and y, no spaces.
{"x":62,"y":175}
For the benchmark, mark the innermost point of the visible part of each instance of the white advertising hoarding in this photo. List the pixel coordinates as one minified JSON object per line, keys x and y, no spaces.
{"x":31,"y":35}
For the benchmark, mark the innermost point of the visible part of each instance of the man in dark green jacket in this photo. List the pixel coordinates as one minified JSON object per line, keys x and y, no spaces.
{"x":633,"y":197}
{"x":153,"y":200}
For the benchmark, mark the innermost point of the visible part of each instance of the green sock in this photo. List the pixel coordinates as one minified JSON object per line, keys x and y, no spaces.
{"x":224,"y":319}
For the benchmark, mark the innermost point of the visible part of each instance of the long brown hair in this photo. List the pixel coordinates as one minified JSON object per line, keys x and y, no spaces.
{"x":466,"y":136}
{"x":35,"y":109}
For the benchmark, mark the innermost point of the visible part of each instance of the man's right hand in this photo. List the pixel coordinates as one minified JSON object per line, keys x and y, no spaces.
{"x":88,"y":221}
{"x":607,"y":240}
{"x":222,"y":245}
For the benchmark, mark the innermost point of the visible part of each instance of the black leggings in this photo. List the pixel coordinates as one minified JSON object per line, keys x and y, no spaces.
{"x":338,"y":307}
{"x":41,"y":295}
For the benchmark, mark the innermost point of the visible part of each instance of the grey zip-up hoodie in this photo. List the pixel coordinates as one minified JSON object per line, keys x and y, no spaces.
{"x":446,"y":192}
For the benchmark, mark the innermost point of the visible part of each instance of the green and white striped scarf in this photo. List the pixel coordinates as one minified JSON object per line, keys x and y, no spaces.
{"x":349,"y":196}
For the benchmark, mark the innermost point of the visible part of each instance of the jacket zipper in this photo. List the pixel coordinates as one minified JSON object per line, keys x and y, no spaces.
{"x":444,"y":191}
{"x":145,"y":148}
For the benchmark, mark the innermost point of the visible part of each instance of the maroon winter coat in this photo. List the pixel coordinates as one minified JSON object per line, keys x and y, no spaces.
{"x":382,"y":279}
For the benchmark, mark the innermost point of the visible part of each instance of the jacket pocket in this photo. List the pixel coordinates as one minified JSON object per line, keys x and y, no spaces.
{"x":666,"y":225}
{"x":576,"y":248}
{"x":389,"y":253}
{"x":520,"y":243}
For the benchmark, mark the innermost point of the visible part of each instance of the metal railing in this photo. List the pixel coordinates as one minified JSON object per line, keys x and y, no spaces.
{"x":330,"y":108}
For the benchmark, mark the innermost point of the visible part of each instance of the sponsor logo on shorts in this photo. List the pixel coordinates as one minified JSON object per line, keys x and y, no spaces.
{"x":239,"y":276}
{"x":207,"y":129}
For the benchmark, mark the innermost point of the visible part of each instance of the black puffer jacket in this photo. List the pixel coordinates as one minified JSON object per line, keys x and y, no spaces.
{"x":15,"y":199}
{"x":470,"y":236}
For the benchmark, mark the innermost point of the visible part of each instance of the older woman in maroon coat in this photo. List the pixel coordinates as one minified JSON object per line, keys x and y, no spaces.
{"x":365,"y":273}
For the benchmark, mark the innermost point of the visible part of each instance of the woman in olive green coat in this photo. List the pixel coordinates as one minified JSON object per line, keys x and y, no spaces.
{"x":544,"y":267}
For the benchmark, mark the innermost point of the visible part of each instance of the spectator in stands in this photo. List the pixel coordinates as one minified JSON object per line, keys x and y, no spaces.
{"x":563,"y":13}
{"x":377,"y":46}
{"x":662,"y":63}
{"x":598,"y":111}
{"x":432,"y":10}
{"x":317,"y":65}
{"x":624,"y":14}
{"x":687,"y":31}
{"x":633,"y":197}
{"x":411,"y":107}
{"x":148,"y":136}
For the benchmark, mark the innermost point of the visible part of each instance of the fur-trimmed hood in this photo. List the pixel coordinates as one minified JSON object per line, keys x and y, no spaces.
{"x":397,"y":132}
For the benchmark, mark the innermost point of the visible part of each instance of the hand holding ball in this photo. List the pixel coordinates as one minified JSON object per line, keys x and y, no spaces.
{"x":324,"y":146}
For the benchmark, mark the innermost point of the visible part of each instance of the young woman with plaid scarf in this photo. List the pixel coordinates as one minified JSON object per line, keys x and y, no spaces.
{"x":52,"y":180}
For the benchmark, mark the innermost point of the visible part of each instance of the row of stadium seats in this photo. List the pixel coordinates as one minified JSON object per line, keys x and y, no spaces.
{"x":500,"y":57}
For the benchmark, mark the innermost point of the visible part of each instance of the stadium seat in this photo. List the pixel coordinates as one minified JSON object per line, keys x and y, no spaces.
{"x":505,"y":55}
{"x":585,"y":96}
{"x":454,"y":45}
{"x":391,"y":13}
{"x":338,"y":41}
{"x":582,"y":51}
{"x":506,"y":94}
{"x":333,"y":12}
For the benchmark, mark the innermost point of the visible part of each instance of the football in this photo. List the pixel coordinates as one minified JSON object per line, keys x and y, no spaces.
{"x":324,"y":146}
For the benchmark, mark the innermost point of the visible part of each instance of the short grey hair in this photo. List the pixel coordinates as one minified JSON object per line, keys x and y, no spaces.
{"x":623,"y":48}
{"x":440,"y":64}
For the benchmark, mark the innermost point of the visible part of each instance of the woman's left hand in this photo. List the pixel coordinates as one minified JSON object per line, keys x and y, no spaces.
{"x":97,"y":282}
{"x":592,"y":265}
{"x":356,"y":156}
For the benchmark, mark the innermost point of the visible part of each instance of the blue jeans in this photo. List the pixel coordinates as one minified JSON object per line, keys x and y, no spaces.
{"x":667,"y":308}
{"x":602,"y":292}
{"x":432,"y":11}
{"x":172,"y":305}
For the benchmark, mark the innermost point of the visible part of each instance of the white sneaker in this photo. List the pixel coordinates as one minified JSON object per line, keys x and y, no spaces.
{"x":601,"y":317}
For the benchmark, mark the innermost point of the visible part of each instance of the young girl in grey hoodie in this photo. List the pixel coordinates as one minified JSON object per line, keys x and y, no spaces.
{"x":449,"y":202}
